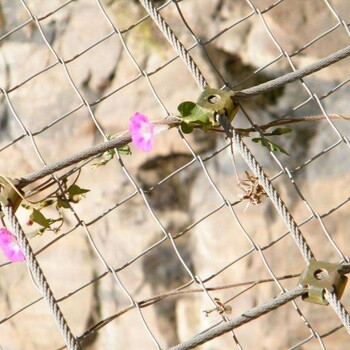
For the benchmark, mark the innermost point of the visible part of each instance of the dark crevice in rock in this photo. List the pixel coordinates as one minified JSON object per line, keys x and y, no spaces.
{"x":173,"y":193}
{"x":162,"y":268}
{"x":237,"y":70}
{"x":4,"y":109}
{"x":218,"y":8}
{"x":268,"y":107}
{"x":4,"y":121}
{"x":95,"y":307}
{"x":164,"y":271}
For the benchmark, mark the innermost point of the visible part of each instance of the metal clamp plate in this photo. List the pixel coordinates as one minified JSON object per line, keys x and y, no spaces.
{"x":8,"y":193}
{"x":219,"y":102}
{"x":320,"y":276}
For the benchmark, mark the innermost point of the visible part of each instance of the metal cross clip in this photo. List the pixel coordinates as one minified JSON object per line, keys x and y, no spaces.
{"x":221,"y":105}
{"x":8,"y":194}
{"x":320,"y":276}
{"x":219,"y":102}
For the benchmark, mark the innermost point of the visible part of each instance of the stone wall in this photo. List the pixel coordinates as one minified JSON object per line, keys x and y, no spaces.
{"x":130,"y":229}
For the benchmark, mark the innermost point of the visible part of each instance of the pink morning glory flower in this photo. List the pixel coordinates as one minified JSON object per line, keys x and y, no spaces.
{"x":10,"y":247}
{"x":142,"y":132}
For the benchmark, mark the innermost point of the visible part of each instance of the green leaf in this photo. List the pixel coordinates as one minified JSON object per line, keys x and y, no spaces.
{"x":61,"y":203}
{"x":196,"y":116}
{"x":75,"y":189}
{"x":199,"y":115}
{"x":124,"y":150}
{"x":111,"y":136}
{"x":108,"y":155}
{"x":47,"y":203}
{"x":271,"y":146}
{"x":37,"y":217}
{"x":200,"y":118}
{"x":185,"y":108}
{"x":279,"y":131}
{"x":76,"y":193}
{"x":186,"y":128}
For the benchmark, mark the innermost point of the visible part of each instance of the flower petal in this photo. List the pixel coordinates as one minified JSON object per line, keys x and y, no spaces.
{"x":10,"y":247}
{"x":142,"y":132}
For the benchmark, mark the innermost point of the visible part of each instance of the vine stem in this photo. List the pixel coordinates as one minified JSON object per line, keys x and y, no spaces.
{"x":120,"y":141}
{"x":174,"y":293}
{"x":125,"y":138}
{"x":286,"y":121}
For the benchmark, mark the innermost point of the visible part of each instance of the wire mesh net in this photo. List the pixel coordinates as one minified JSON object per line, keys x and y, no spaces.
{"x":169,"y":245}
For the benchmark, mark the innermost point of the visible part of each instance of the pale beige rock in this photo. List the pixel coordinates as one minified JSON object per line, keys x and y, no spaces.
{"x":128,"y":230}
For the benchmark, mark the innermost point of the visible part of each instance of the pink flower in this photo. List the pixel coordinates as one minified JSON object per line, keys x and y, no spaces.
{"x":142,"y":132}
{"x":10,"y":247}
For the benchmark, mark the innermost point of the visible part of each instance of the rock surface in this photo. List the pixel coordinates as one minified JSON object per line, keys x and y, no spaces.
{"x":210,"y":239}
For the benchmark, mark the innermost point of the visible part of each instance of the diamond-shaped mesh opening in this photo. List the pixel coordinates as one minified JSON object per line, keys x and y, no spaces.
{"x":167,"y":246}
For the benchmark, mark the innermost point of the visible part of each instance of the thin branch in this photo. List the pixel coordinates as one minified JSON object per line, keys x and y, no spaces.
{"x":286,"y":121}
{"x":125,"y":138}
{"x":120,"y":141}
{"x":156,"y":298}
{"x":246,"y":317}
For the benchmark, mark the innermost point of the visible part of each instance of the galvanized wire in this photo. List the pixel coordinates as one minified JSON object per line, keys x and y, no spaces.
{"x":175,"y":42}
{"x":225,"y":204}
{"x":339,"y":308}
{"x":40,"y":278}
{"x":246,"y":317}
{"x":298,"y":74}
